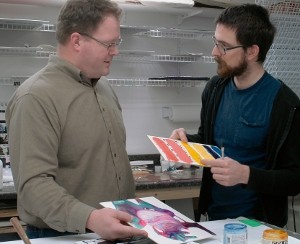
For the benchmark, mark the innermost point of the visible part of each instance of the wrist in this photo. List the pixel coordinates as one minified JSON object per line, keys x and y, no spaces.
{"x":245,"y":174}
{"x":90,"y":223}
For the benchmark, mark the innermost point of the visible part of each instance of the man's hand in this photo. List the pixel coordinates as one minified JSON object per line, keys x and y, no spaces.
{"x":179,"y":134}
{"x":228,"y":172}
{"x":110,"y":224}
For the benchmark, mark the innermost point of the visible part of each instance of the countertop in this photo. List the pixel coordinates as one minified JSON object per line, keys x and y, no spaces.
{"x":145,"y":178}
{"x":148,"y":180}
{"x":172,"y":178}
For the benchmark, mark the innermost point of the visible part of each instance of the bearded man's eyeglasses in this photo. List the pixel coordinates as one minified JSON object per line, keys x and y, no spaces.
{"x":222,"y":49}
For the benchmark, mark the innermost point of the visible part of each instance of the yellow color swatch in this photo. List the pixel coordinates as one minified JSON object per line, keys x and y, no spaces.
{"x":202,"y":152}
{"x":194,"y":154}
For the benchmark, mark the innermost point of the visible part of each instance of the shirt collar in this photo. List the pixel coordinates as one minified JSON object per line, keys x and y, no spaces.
{"x":73,"y":71}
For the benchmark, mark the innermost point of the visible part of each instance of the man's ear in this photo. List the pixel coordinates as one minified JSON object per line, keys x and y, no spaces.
{"x":253,"y":52}
{"x":75,"y":40}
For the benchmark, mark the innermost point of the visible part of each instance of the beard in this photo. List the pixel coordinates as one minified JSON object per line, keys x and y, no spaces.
{"x":225,"y":70}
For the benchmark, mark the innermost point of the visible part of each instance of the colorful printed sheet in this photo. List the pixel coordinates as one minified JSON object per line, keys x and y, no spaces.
{"x":162,"y":223}
{"x":185,"y":152}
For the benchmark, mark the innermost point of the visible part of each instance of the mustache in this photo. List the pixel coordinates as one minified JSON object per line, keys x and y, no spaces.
{"x":217,"y":59}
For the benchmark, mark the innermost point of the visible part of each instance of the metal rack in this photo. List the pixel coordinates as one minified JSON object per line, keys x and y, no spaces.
{"x":139,"y":82}
{"x":283,"y":59}
{"x":144,"y":82}
{"x":12,"y":81}
{"x":148,"y":31}
{"x":133,"y":56}
{"x":25,"y":24}
{"x":176,"y":33}
{"x":44,"y":51}
{"x":41,"y":25}
{"x":39,"y":52}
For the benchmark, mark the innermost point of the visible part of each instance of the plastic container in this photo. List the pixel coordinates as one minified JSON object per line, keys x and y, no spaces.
{"x":165,"y":165}
{"x":235,"y":233}
{"x":273,"y":236}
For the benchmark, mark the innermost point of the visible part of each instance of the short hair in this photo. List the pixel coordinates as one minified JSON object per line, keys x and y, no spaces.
{"x":252,"y":25}
{"x":83,"y":16}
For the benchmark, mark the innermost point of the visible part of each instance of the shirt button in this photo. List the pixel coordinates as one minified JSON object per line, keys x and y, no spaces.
{"x":103,"y":109}
{"x":115,"y":154}
{"x":110,"y":132}
{"x":119,"y":177}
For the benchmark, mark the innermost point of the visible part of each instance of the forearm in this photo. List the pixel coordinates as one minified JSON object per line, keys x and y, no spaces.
{"x":41,"y":199}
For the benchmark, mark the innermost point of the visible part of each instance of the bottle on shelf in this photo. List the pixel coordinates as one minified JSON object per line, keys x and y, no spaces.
{"x":2,"y":110}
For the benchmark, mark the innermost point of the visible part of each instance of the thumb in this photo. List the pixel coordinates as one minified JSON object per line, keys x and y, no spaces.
{"x":123,"y":216}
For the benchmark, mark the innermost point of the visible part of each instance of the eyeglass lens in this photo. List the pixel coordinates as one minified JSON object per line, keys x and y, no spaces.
{"x":220,"y":47}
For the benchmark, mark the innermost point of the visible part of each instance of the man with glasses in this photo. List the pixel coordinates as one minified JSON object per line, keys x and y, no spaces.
{"x":66,"y":132}
{"x":254,"y":117}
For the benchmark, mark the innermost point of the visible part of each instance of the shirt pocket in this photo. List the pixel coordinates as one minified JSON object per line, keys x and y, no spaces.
{"x":251,"y":130}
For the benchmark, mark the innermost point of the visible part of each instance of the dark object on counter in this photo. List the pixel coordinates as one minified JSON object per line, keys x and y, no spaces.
{"x":144,"y":157}
{"x":133,"y":240}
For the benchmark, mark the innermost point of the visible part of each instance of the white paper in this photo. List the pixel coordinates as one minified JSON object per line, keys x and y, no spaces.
{"x":158,"y":222}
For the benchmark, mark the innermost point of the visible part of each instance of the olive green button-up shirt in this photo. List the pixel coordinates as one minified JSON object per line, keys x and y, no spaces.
{"x":67,"y":147}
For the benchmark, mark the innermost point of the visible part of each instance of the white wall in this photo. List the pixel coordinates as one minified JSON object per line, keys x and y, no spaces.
{"x":142,"y":106}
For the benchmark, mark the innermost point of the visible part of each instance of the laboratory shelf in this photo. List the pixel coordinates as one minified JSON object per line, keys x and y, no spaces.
{"x":146,"y":31}
{"x":144,"y":82}
{"x":40,"y":52}
{"x":45,"y":51}
{"x":176,"y":33}
{"x":12,"y":81}
{"x":26,"y":25}
{"x":129,"y":82}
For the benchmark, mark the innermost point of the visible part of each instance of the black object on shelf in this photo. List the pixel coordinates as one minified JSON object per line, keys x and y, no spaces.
{"x":180,"y":78}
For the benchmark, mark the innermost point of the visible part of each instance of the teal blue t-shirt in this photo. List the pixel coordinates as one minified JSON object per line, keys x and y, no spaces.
{"x":242,"y":122}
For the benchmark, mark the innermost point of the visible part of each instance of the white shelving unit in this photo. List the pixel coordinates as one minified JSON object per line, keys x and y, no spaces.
{"x":283,"y":59}
{"x":25,"y":24}
{"x":136,"y":82}
{"x":44,"y":51}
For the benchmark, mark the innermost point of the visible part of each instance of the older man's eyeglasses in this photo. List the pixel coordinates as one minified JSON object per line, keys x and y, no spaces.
{"x":222,"y":49}
{"x":109,"y":46}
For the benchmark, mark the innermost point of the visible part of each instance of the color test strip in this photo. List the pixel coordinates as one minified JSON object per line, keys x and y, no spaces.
{"x":195,"y":156}
{"x":204,"y":154}
{"x":212,"y":151}
{"x":179,"y":151}
{"x":169,"y":154}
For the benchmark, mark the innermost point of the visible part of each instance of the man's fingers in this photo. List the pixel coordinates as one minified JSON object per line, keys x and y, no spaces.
{"x":123,"y":216}
{"x":179,"y":134}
